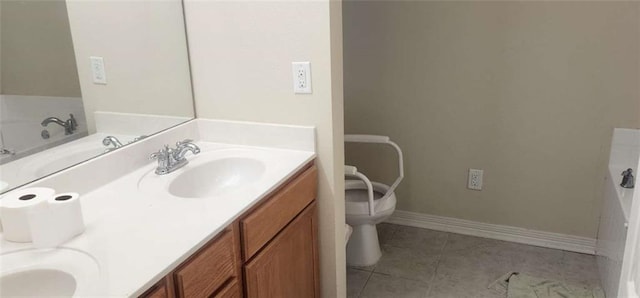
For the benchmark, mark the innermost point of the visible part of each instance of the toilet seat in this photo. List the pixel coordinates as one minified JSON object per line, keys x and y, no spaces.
{"x":357,"y":200}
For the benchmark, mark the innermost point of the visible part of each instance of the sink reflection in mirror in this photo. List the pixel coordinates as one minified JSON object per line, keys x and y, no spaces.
{"x":50,"y":107}
{"x":59,"y":272}
{"x":50,"y":161}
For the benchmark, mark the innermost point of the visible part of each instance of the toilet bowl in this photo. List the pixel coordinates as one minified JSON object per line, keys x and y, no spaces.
{"x":367,"y":203}
{"x":363,"y":248}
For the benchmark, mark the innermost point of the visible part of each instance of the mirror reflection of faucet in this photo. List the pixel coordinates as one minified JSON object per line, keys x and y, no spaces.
{"x":45,"y":134}
{"x":627,"y":179}
{"x":111,"y":141}
{"x":5,"y":151}
{"x":138,"y":138}
{"x":69,"y":126}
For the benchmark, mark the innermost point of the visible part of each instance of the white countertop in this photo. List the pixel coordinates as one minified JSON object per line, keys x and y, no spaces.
{"x":137,"y":237}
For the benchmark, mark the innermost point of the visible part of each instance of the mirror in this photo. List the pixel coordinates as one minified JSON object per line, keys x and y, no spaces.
{"x":81,"y":78}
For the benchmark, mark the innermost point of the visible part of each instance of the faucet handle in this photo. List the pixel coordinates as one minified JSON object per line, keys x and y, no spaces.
{"x":106,"y":141}
{"x":161,"y":154}
{"x":139,"y":138}
{"x":155,"y":155}
{"x":72,"y":121}
{"x":185,"y":141}
{"x":627,"y":179}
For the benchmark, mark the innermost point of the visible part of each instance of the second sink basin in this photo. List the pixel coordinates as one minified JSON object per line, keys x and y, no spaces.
{"x":59,"y":272}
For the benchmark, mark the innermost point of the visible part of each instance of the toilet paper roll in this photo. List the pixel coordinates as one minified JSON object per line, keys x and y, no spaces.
{"x":56,"y":222}
{"x":15,"y":208}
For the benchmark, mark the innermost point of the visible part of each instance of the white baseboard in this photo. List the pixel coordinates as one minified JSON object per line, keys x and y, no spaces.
{"x":499,"y":232}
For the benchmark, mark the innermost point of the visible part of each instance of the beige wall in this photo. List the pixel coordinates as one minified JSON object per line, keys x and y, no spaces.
{"x":144,"y":49}
{"x":241,"y":54}
{"x":528,"y":91}
{"x":36,"y":51}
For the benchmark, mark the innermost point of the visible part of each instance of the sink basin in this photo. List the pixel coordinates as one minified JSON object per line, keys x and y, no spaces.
{"x":50,"y":283}
{"x":215,"y":177}
{"x":212,"y":173}
{"x":59,"y":272}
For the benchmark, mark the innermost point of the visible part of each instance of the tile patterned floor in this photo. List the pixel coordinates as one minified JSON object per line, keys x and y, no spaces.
{"x":425,"y":263}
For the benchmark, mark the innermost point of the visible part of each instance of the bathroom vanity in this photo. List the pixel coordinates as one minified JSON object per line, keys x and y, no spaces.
{"x":271,"y":249}
{"x":238,"y":221}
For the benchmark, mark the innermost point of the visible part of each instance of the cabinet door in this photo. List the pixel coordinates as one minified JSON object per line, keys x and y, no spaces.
{"x":232,"y":290}
{"x":160,"y":292}
{"x":210,"y":268}
{"x":288,"y":265}
{"x":163,"y":289}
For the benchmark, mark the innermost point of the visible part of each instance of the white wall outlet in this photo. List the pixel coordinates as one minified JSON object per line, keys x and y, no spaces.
{"x":475,"y":179}
{"x":301,"y":77}
{"x":97,"y":70}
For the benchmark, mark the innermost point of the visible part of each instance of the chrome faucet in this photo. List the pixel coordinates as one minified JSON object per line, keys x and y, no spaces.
{"x":5,"y":151}
{"x":170,"y":159}
{"x":142,"y":137}
{"x":69,"y":126}
{"x":183,"y":147}
{"x":627,"y":179}
{"x":111,"y":141}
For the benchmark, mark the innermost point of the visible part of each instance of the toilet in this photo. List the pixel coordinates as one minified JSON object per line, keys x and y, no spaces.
{"x":367,"y":203}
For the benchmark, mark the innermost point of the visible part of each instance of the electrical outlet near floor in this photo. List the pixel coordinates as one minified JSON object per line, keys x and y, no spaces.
{"x":475,"y":179}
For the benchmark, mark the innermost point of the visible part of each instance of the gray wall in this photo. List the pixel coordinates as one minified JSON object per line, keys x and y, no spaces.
{"x":527,"y":91}
{"x":36,"y":49}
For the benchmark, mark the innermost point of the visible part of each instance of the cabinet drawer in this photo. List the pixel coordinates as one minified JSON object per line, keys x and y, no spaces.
{"x":209,"y":269}
{"x":158,"y":291}
{"x":232,"y":290}
{"x":269,"y":218}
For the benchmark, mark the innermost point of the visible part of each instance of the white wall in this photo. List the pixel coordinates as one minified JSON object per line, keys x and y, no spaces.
{"x":616,"y":210}
{"x":144,"y":48}
{"x":529,"y":91}
{"x":241,"y":54}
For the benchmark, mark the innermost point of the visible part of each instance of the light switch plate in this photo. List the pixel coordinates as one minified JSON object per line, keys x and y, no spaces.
{"x":97,"y":70}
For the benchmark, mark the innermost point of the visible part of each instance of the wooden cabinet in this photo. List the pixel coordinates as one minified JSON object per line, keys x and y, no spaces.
{"x":269,"y":218}
{"x":158,"y":291}
{"x":286,"y":267}
{"x":211,"y":268}
{"x":270,"y":251}
{"x":163,"y":289}
{"x":232,"y":290}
